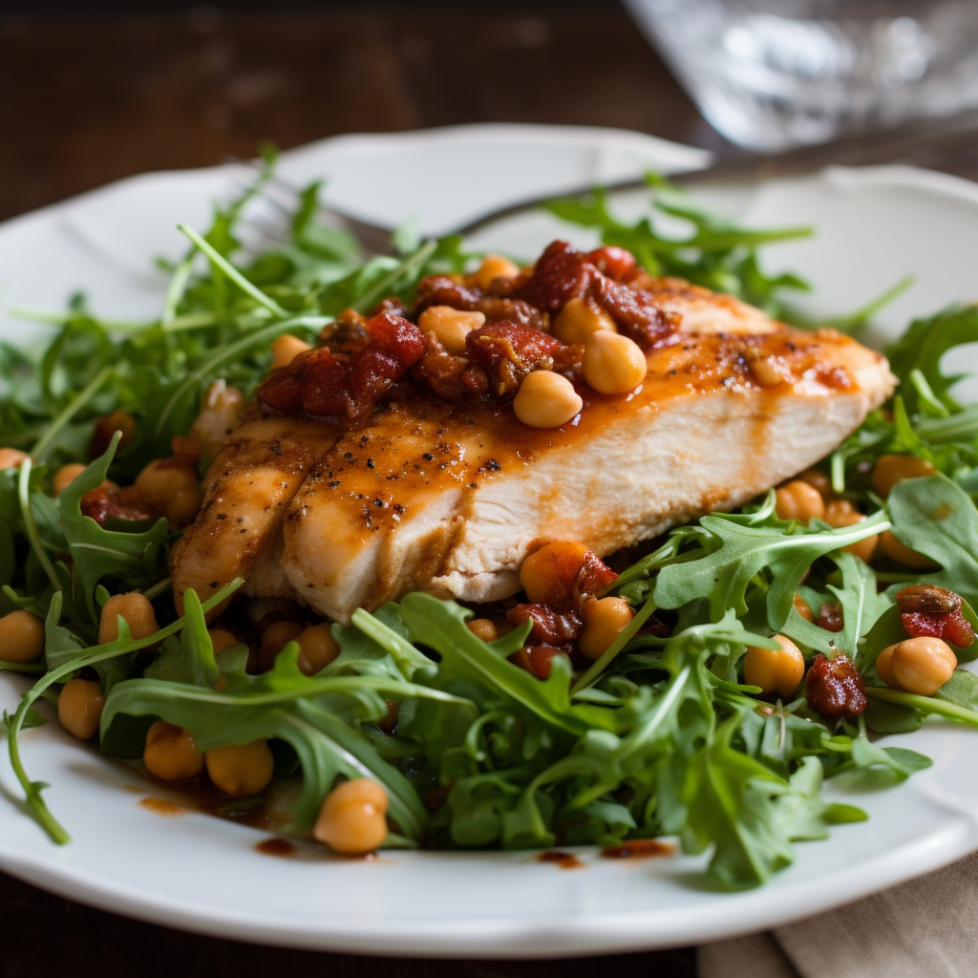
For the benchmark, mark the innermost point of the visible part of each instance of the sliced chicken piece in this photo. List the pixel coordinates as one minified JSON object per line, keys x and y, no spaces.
{"x":450,"y":498}
{"x":247,"y":492}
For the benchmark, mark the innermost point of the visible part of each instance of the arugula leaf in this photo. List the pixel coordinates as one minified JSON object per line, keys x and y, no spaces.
{"x":283,"y":703}
{"x":190,"y":659}
{"x":441,"y":626}
{"x":938,"y":519}
{"x":862,"y":606}
{"x":97,"y":553}
{"x":732,"y":553}
{"x":924,"y":344}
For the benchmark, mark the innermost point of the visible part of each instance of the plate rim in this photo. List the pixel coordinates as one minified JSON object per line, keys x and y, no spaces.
{"x":587,"y":934}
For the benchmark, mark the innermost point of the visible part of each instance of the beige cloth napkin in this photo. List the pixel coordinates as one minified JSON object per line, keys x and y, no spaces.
{"x":927,"y":928}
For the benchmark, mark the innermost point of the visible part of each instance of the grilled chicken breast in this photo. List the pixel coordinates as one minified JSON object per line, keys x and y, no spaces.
{"x":450,"y":497}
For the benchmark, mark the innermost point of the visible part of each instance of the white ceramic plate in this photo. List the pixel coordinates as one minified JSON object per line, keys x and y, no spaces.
{"x":203,"y":874}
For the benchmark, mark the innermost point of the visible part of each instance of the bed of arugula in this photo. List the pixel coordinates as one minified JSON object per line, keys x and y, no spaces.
{"x":659,"y":737}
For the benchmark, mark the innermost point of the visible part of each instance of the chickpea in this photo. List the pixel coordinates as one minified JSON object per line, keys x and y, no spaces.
{"x":175,"y":488}
{"x":613,"y":364}
{"x":65,"y":476}
{"x":274,"y":639}
{"x":80,"y":706}
{"x":817,"y":479}
{"x":137,"y":612}
{"x":286,"y":348}
{"x":450,"y":326}
{"x":548,"y":574}
{"x":492,"y":267}
{"x":798,"y":500}
{"x":21,"y":637}
{"x":171,"y":754}
{"x":891,"y":469}
{"x":884,"y":667}
{"x":483,"y":628}
{"x":922,"y":665}
{"x":107,"y":426}
{"x":579,"y":320}
{"x":775,"y":671}
{"x":352,"y":820}
{"x":219,"y":415}
{"x":240,"y":770}
{"x":803,"y":608}
{"x":222,"y":639}
{"x":317,"y":648}
{"x":546,"y":400}
{"x":769,"y":371}
{"x":840,"y":512}
{"x":11,"y":458}
{"x":891,"y":547}
{"x":604,"y":620}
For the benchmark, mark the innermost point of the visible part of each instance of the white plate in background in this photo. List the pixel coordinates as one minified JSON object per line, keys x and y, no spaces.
{"x":198,"y":873}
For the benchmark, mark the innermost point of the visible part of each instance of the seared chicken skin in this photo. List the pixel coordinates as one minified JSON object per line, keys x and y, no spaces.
{"x":450,"y":496}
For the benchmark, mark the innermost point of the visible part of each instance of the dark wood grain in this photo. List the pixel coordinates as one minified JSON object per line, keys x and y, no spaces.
{"x":87,"y":100}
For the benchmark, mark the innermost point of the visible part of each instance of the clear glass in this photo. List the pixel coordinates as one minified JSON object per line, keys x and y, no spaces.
{"x":770,"y":74}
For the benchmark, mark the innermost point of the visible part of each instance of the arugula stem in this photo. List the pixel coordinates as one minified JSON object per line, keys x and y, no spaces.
{"x":30,"y":527}
{"x":175,"y":291}
{"x":230,"y":352}
{"x":658,"y":714}
{"x":926,"y":704}
{"x":32,"y":789}
{"x":86,"y":394}
{"x":28,"y":668}
{"x":157,"y":589}
{"x":232,"y":273}
{"x":315,"y":687}
{"x":643,"y":615}
{"x":861,"y":316}
{"x":370,"y":297}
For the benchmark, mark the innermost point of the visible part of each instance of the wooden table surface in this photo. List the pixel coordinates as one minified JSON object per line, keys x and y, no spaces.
{"x":89,"y":99}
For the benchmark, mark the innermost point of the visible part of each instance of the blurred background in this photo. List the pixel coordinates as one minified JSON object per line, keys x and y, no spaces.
{"x":94,"y":90}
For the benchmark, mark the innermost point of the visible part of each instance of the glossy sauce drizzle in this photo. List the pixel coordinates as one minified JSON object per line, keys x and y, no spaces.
{"x":275,"y":846}
{"x":638,"y":849}
{"x":565,"y":860}
{"x":160,"y":806}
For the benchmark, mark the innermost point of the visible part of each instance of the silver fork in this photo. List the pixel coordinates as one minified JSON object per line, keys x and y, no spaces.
{"x":906,"y":144}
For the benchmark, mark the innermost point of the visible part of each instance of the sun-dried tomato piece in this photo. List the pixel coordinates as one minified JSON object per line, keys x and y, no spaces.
{"x":443,"y":290}
{"x":281,"y":392}
{"x":442,"y":373}
{"x":830,"y":618}
{"x":562,"y":273}
{"x":594,"y":576}
{"x":951,"y":626}
{"x":324,"y":384}
{"x":835,"y":689}
{"x":507,"y":352}
{"x":497,"y":309}
{"x":106,"y":427}
{"x":123,"y":504}
{"x":348,"y":335}
{"x":538,"y":660}
{"x":636,"y":314}
{"x":550,"y":627}
{"x":927,"y":598}
{"x":612,"y":261}
{"x":393,"y":305}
